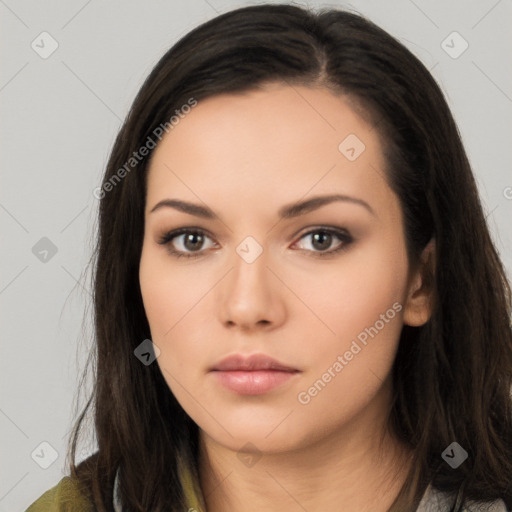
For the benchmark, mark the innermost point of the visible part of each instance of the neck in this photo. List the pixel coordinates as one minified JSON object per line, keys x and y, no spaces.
{"x":361,"y":466}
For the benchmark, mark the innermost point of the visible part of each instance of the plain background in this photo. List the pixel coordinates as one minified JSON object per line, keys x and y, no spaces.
{"x":60,"y":115}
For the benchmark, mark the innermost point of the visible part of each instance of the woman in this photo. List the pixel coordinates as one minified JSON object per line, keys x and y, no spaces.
{"x":297,"y":301}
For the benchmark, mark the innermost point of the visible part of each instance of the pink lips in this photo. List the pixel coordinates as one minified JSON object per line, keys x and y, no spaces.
{"x":252,"y":375}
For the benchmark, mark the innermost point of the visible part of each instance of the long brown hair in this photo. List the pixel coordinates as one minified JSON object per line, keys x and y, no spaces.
{"x":452,"y":376}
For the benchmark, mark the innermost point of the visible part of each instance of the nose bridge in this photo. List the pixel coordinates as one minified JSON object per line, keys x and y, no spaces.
{"x":250,"y":275}
{"x":249,"y":295}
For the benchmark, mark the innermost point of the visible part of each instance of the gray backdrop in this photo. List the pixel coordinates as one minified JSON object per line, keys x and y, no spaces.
{"x":70,"y":70}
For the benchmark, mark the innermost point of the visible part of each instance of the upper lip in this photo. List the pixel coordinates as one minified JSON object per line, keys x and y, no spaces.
{"x":251,"y":363}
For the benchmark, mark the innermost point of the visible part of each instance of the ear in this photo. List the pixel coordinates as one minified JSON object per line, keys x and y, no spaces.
{"x":420,"y":295}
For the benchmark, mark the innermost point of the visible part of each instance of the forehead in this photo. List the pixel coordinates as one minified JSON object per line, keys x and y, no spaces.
{"x":281,"y":143}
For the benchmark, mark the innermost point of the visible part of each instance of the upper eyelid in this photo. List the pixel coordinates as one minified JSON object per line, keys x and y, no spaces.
{"x":336,"y":231}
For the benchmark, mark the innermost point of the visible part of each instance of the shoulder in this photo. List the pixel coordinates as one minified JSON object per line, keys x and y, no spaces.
{"x":66,"y":496}
{"x":437,"y":501}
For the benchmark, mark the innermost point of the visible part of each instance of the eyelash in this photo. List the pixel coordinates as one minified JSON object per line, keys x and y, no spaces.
{"x":342,"y":235}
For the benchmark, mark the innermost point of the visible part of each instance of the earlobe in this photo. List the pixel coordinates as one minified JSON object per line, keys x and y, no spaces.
{"x":420,"y":297}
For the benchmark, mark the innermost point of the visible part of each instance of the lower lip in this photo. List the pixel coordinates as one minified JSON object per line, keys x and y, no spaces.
{"x":255,"y":382}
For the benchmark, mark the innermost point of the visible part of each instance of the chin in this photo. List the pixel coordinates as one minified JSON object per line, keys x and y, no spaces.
{"x":266,"y":437}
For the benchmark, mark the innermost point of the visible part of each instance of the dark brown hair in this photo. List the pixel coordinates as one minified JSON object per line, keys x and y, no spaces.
{"x":452,"y":377}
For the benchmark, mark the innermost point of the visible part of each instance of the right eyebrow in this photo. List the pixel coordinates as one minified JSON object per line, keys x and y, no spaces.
{"x":186,"y":207}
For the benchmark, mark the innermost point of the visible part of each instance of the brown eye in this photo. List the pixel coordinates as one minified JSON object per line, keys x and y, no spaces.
{"x":185,"y":242}
{"x":321,"y":240}
{"x":193,"y":241}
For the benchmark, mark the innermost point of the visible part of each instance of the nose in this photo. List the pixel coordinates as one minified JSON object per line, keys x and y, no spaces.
{"x":250,"y":296}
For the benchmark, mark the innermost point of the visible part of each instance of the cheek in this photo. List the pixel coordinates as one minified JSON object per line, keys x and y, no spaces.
{"x":370,"y":291}
{"x":174,"y":302}
{"x":350,"y":294}
{"x":169,"y":294}
{"x":361,"y":301}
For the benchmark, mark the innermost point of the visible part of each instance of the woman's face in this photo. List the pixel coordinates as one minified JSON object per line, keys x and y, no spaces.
{"x":321,"y":288}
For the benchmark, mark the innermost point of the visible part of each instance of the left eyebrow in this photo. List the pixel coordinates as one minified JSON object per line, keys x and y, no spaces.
{"x":303,"y":207}
{"x":285,"y":212}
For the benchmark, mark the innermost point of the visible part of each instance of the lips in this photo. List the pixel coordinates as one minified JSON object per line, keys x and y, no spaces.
{"x":251,"y":363}
{"x":252,"y":375}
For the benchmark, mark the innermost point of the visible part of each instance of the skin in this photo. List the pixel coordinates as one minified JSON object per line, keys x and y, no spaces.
{"x":245,"y":157}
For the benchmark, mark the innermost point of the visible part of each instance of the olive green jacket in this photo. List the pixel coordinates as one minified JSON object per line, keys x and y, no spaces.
{"x":66,"y":496}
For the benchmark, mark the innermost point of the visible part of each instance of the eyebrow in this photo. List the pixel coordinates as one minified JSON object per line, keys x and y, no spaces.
{"x":285,"y":212}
